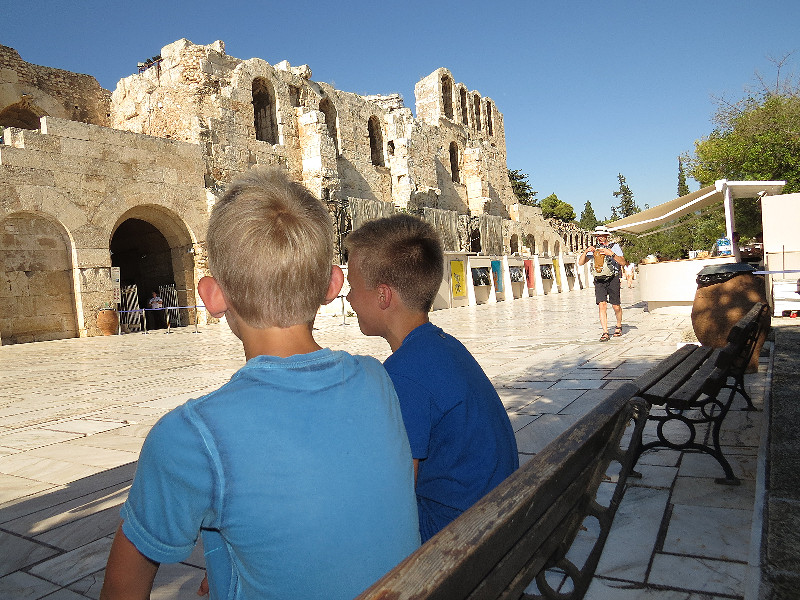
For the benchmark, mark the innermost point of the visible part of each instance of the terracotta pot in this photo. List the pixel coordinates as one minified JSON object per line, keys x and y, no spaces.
{"x":718,"y":306}
{"x":108,"y":321}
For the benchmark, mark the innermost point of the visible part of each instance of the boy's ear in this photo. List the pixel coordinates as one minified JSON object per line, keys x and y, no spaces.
{"x":384,"y":295}
{"x":335,"y":285}
{"x":212,"y":296}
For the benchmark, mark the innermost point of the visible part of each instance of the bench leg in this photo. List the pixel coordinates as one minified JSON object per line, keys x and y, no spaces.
{"x":738,"y":386}
{"x":706,"y":416}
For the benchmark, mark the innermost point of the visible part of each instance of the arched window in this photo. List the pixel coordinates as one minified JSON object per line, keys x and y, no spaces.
{"x":545,"y":248}
{"x":489,"y":127}
{"x":514,"y":244}
{"x":477,"y":107}
{"x":326,"y":108}
{"x":265,"y":112}
{"x":447,"y":97}
{"x":464,"y":106}
{"x":454,"y":162}
{"x":375,"y":141}
{"x":475,"y":241}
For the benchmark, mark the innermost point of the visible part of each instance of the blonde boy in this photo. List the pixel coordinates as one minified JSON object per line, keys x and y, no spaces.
{"x":461,"y":438}
{"x":297,"y":472}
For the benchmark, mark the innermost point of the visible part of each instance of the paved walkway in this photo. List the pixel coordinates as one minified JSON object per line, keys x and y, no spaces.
{"x":74,"y":413}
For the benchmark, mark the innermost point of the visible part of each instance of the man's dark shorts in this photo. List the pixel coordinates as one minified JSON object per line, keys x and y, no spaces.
{"x":607,"y":290}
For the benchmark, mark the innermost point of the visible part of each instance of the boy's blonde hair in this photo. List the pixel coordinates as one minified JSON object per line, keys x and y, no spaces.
{"x":270,"y":248}
{"x":401,"y":251}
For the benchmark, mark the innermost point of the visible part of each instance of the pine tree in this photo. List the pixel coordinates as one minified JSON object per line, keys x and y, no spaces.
{"x":588,"y":219}
{"x":683,"y":188}
{"x":627,"y":206}
{"x":522,"y":188}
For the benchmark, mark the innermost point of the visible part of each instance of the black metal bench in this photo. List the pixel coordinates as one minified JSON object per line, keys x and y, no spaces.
{"x":526,"y":525}
{"x":689,"y":386}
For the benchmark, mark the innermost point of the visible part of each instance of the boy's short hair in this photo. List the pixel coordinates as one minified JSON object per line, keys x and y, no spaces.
{"x":401,"y":251}
{"x":270,"y":247}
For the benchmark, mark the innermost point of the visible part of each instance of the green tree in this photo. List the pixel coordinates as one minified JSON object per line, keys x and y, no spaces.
{"x":522,"y":188}
{"x":553,"y":208}
{"x":588,"y":219}
{"x":626,"y":206}
{"x":757,"y":137}
{"x":683,"y":188}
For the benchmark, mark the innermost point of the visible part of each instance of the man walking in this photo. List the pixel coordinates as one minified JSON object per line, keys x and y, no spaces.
{"x":606,"y":267}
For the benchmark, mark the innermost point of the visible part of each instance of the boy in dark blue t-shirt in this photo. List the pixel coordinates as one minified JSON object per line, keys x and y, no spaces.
{"x":461,"y":438}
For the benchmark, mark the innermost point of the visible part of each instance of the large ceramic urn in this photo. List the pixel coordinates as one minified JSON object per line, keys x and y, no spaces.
{"x":725,"y":293}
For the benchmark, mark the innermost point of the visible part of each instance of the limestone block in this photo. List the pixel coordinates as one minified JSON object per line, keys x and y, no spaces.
{"x":65,"y":128}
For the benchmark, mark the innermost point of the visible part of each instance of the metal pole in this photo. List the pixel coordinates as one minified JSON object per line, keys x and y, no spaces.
{"x":196,"y":312}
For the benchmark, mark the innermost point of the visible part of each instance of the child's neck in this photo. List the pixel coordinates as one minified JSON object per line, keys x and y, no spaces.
{"x":278,"y":341}
{"x":402,"y":326}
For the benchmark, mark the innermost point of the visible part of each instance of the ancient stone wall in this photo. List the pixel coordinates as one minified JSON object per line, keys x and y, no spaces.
{"x":77,"y":199}
{"x":28,"y":92}
{"x":76,"y":184}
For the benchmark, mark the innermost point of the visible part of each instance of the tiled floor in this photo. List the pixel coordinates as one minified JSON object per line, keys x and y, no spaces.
{"x":74,"y":413}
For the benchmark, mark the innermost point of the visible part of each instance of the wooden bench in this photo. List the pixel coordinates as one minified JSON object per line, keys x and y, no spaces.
{"x":527,"y":524}
{"x":689,"y":386}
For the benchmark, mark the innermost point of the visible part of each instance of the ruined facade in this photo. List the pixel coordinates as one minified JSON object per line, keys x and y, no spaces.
{"x":91,"y":179}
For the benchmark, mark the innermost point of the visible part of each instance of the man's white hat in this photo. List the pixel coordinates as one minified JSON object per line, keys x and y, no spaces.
{"x":601,"y":230}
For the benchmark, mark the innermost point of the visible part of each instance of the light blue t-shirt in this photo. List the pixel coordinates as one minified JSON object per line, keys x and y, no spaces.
{"x":297,"y":471}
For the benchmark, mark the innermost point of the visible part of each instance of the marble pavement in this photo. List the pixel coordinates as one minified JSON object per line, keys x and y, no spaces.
{"x":74,"y":413}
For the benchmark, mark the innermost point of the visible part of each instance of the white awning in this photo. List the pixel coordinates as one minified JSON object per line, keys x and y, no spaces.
{"x":702,"y":198}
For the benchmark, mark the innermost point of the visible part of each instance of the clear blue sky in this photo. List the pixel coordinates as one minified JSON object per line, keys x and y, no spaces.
{"x":588,"y":89}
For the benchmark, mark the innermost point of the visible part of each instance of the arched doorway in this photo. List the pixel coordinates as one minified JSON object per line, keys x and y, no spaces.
{"x":21,"y":115}
{"x":37,"y":295}
{"x":514,"y":243}
{"x":155,"y":253}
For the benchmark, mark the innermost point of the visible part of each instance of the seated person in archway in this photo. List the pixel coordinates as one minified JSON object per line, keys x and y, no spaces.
{"x":297,"y":473}
{"x":461,"y":438}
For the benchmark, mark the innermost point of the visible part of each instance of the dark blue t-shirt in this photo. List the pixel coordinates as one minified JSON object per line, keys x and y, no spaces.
{"x":457,"y":426}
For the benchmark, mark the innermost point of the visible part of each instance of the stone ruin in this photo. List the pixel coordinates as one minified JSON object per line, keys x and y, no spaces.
{"x":92,"y":179}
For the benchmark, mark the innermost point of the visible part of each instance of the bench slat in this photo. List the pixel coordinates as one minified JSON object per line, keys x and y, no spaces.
{"x":652,"y":376}
{"x":661,"y":390}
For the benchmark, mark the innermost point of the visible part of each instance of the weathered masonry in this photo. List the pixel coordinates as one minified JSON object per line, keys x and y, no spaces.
{"x":91,"y":179}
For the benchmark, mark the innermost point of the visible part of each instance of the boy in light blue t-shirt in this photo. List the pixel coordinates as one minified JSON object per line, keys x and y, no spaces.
{"x":297,"y":473}
{"x":461,"y":438}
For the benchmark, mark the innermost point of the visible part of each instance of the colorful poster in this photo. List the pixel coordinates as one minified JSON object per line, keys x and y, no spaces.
{"x":516,"y":274}
{"x":480,"y":276}
{"x":557,"y":272}
{"x":528,"y":264}
{"x":457,"y":282}
{"x":497,"y":275}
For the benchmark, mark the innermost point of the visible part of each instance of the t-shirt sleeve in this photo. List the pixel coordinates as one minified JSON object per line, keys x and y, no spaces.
{"x":415,"y":404}
{"x":172,"y":493}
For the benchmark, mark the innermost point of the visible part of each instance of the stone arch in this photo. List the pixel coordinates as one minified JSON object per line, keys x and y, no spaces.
{"x":476,"y":105}
{"x":464,"y":106}
{"x":37,"y":282}
{"x":22,"y":114}
{"x":265,"y":112}
{"x":514,"y":243}
{"x":327,"y":108}
{"x":447,"y":96}
{"x":375,"y":141}
{"x":475,"y":240}
{"x":545,"y":247}
{"x":454,"y":170}
{"x":556,"y":248}
{"x":152,"y":246}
